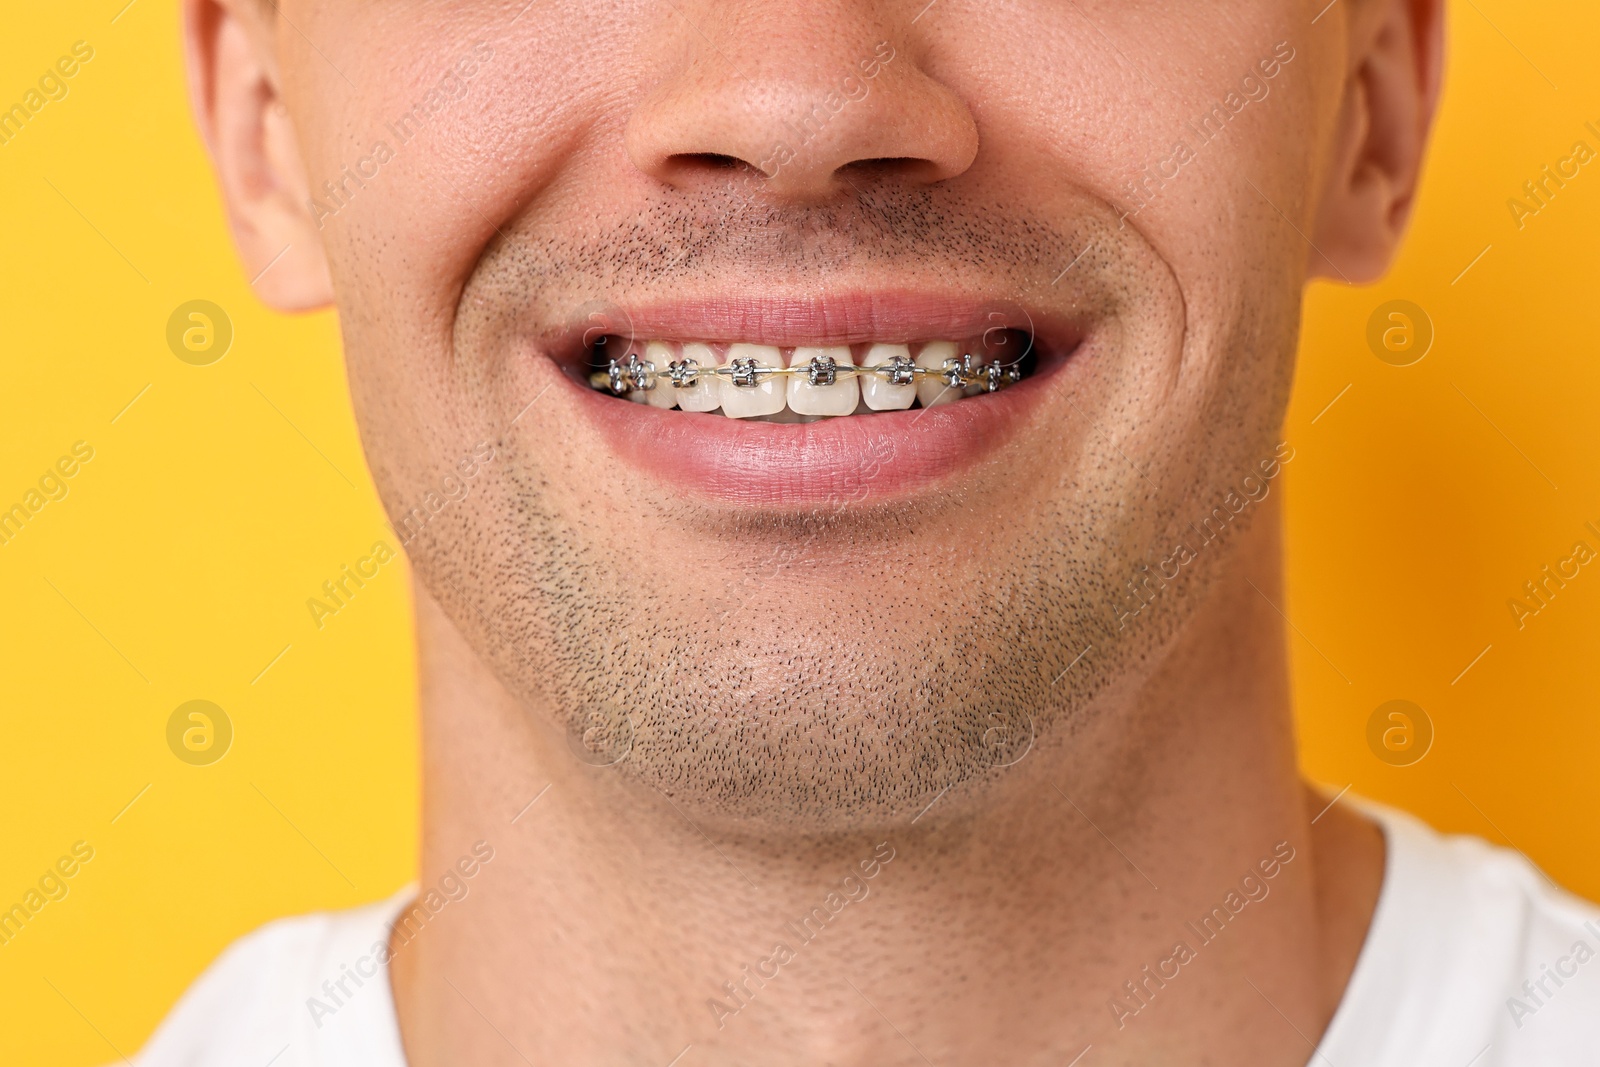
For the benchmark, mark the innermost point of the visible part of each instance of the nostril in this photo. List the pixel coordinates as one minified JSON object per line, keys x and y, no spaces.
{"x":711,"y":168}
{"x":706,"y":161}
{"x":885,"y":161}
{"x":888,"y":166}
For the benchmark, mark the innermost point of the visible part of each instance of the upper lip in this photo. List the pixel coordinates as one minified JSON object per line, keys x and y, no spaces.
{"x":832,"y":319}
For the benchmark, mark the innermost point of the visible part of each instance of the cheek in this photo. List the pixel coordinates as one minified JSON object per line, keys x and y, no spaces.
{"x":468,"y":152}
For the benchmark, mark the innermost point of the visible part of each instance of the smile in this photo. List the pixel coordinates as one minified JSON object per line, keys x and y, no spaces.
{"x":842,"y":400}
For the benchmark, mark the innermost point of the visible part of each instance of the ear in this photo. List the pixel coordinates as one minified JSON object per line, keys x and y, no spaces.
{"x":1391,"y":90}
{"x":234,"y":91}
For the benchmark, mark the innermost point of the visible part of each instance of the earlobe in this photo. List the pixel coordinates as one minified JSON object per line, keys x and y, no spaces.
{"x":250,"y":136}
{"x":1380,"y":137}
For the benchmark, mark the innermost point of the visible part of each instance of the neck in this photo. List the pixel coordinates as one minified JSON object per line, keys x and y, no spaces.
{"x":1096,"y":897}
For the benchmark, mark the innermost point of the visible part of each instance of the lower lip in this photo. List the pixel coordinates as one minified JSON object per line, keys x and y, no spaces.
{"x":854,"y":459}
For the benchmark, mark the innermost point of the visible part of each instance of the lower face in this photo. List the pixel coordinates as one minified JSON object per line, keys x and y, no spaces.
{"x":779,"y":599}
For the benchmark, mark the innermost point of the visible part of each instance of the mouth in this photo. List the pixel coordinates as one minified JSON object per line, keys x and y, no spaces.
{"x":786,"y":404}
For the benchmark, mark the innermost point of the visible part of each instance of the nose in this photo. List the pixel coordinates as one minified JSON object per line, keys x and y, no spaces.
{"x":809,"y":95}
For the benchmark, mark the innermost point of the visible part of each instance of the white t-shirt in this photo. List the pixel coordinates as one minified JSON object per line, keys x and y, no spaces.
{"x":1459,"y":928}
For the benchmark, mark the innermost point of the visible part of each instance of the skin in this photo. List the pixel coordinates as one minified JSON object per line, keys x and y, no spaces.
{"x":778,"y":694}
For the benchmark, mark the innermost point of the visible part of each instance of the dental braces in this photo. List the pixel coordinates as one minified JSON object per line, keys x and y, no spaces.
{"x":623,"y":377}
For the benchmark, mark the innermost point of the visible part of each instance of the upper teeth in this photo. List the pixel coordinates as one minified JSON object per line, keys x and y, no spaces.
{"x":749,"y":380}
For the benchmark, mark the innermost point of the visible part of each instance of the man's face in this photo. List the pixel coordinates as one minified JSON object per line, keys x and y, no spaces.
{"x":823,"y":623}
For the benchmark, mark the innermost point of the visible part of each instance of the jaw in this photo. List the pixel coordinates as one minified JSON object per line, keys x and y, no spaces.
{"x":817,"y":624}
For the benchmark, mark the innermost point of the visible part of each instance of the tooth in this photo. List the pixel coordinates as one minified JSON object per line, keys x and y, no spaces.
{"x":625,"y":350}
{"x":980,"y":348}
{"x":705,"y":394}
{"x":840,"y":398}
{"x":1008,"y":349}
{"x":662,"y":396}
{"x":933,"y":391}
{"x":878,"y":394}
{"x":764,"y":398}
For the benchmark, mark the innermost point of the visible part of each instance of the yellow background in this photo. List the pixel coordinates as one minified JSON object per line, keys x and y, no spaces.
{"x":179,"y":564}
